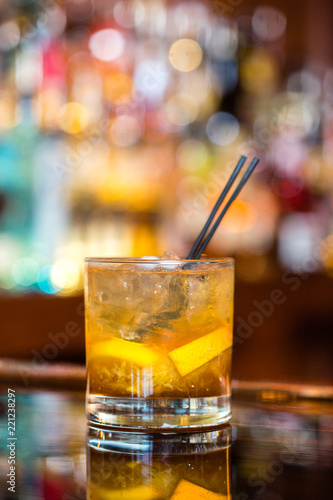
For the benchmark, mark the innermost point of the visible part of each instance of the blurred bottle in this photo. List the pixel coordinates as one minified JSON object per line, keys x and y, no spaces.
{"x":17,"y":144}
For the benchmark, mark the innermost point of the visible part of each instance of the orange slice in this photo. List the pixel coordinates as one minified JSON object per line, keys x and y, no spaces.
{"x":189,"y":491}
{"x":191,"y":356}
{"x":138,"y":354}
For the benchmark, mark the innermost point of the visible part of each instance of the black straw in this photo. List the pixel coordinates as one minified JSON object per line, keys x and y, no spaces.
{"x":196,"y":252}
{"x":230,"y":182}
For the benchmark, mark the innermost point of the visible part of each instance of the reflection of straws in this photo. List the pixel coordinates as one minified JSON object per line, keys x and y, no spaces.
{"x":199,"y":245}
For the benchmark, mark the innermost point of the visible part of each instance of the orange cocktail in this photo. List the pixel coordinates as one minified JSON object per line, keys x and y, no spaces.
{"x":158,"y":342}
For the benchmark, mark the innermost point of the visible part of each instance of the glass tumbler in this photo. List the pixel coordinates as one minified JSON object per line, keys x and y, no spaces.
{"x":159,"y":342}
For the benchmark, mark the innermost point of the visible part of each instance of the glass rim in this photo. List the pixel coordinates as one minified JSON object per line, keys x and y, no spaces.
{"x":224,"y":261}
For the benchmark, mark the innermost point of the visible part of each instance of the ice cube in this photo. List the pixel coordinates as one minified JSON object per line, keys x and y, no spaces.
{"x":199,"y":289}
{"x":116,"y":288}
{"x":224,"y":296}
{"x":170,"y":255}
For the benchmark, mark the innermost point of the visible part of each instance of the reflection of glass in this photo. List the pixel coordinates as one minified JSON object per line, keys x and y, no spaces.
{"x":136,"y":466}
{"x":159,"y":338}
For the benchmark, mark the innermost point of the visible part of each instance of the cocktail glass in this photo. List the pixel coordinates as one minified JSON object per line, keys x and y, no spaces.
{"x":159,"y":342}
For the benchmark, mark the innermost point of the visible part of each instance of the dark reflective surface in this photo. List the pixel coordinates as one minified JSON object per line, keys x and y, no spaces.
{"x":281,"y":449}
{"x":148,"y":466}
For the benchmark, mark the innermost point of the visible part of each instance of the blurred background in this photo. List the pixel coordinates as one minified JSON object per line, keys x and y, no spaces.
{"x":120,"y":122}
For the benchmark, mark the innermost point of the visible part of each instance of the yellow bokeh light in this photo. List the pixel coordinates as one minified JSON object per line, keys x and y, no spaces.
{"x":192,"y":155}
{"x":65,"y":275}
{"x":325,"y":253}
{"x":74,"y":118}
{"x":58,"y":277}
{"x":10,"y":113}
{"x":47,"y":106}
{"x":259,"y":73}
{"x":181,"y":109}
{"x":185,"y":55}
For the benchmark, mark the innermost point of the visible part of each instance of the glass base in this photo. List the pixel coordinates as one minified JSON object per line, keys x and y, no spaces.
{"x":102,"y":439}
{"x":164,"y":413}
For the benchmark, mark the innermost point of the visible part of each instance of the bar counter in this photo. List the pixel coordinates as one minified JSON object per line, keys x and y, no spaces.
{"x":279,"y":445}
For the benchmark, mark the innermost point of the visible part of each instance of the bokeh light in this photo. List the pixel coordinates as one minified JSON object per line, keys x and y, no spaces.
{"x":118,"y":88}
{"x":53,"y":20}
{"x":10,"y":111}
{"x":223,"y":45}
{"x":190,"y":192}
{"x":143,"y":108}
{"x":298,"y":234}
{"x":306,"y":82}
{"x":185,"y":55}
{"x":44,"y":280}
{"x":192,"y":155}
{"x":259,"y":73}
{"x":269,"y":24}
{"x":240,"y":217}
{"x":222,"y":128}
{"x":129,"y":13}
{"x":151,"y":78}
{"x":10,"y":252}
{"x":28,"y":69}
{"x":125,"y":130}
{"x":189,"y":19}
{"x":73,"y":118}
{"x":181,"y":109}
{"x":107,"y":44}
{"x":65,"y":275}
{"x":47,"y":108}
{"x":9,"y":35}
{"x":326,"y":253}
{"x":296,"y":115}
{"x":25,"y":271}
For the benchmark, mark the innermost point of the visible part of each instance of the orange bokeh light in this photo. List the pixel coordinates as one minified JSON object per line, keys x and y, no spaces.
{"x":118,"y":88}
{"x":240,"y":217}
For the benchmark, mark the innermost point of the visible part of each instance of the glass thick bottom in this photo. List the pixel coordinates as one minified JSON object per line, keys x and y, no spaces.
{"x":204,"y":441}
{"x":158,"y":413}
